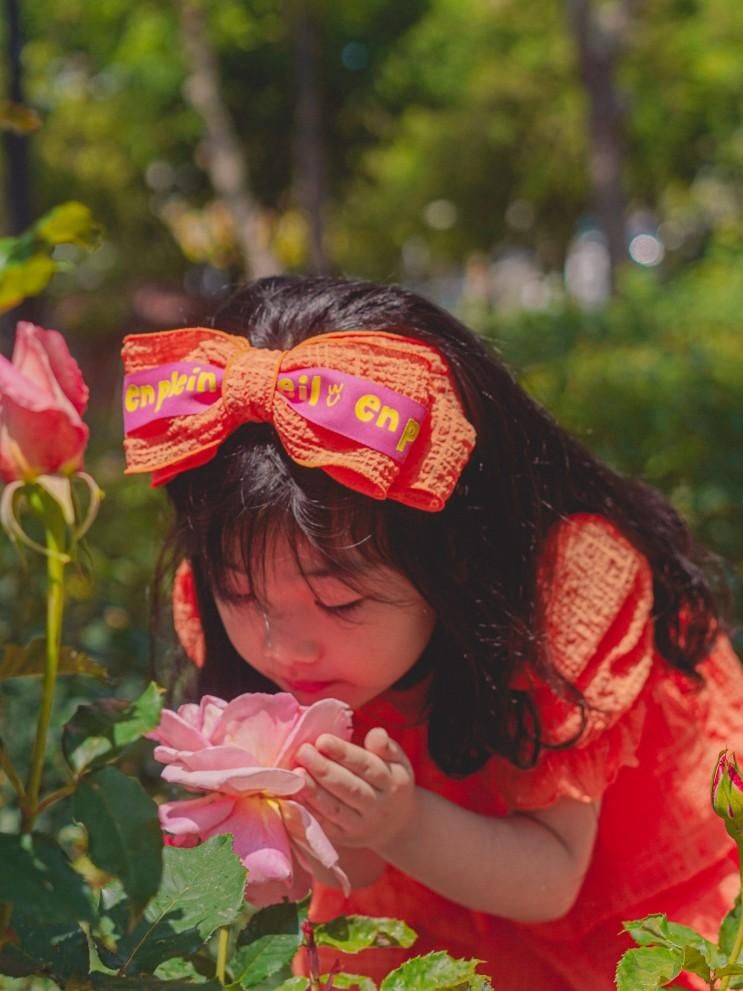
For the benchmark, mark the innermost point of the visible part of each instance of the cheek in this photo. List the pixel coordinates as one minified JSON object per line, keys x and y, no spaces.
{"x":243,"y":628}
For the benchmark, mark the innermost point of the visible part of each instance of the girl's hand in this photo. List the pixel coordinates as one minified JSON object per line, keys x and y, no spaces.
{"x":362,"y":796}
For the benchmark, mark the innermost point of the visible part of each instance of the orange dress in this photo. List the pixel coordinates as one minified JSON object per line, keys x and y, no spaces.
{"x":648,"y":752}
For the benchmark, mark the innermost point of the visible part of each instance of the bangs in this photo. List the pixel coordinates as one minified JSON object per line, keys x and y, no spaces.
{"x":268,"y":501}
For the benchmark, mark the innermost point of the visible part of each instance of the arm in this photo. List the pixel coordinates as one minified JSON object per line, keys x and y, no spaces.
{"x":526,"y":867}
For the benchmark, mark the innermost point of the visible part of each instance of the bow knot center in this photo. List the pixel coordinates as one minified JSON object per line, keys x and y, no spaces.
{"x":250,"y":383}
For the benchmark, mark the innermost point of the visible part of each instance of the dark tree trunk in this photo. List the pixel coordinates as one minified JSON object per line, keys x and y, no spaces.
{"x":17,"y":168}
{"x":310,"y":161}
{"x":18,"y":191}
{"x":227,"y":166}
{"x":599,"y":36}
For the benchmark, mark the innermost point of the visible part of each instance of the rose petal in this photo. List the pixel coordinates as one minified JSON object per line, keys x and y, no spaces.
{"x":309,"y":839}
{"x":258,"y":722}
{"x":262,"y":844}
{"x":63,"y":366}
{"x":40,"y":429}
{"x":195,"y":815}
{"x":236,"y":781}
{"x":325,"y":716}
{"x":177,"y":733}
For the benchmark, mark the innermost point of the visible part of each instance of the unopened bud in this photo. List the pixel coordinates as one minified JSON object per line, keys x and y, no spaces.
{"x":727,"y":794}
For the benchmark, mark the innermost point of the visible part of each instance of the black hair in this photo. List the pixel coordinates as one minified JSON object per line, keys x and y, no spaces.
{"x":474,"y":562}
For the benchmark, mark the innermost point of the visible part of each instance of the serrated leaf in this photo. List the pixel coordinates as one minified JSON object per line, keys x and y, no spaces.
{"x":124,"y":832}
{"x":353,"y":933}
{"x":35,"y":871}
{"x":202,"y":889}
{"x":180,"y":969}
{"x":30,"y":661}
{"x":59,"y":951}
{"x":343,"y":980}
{"x":263,"y":958}
{"x":699,"y":955}
{"x":293,"y":984}
{"x":146,"y":982}
{"x":284,"y":919}
{"x":435,"y":971}
{"x":69,"y":223}
{"x":648,"y":968}
{"x":268,"y":943}
{"x":18,"y":117}
{"x":729,"y":929}
{"x":99,"y":732}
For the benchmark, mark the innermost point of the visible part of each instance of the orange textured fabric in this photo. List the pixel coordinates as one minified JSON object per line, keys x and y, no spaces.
{"x":648,"y":751}
{"x":425,"y":479}
{"x":186,"y":615}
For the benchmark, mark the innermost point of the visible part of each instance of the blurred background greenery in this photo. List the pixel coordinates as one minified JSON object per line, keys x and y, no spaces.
{"x":565,"y":174}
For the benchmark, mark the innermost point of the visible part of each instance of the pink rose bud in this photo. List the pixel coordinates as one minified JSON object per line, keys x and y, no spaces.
{"x":727,"y":794}
{"x":42,"y":398}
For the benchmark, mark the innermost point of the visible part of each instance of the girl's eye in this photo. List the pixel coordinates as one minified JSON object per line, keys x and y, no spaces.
{"x":343,"y":609}
{"x":234,"y":598}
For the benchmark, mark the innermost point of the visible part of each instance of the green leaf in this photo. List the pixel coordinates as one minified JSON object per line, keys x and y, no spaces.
{"x":699,"y":955}
{"x":30,"y":661}
{"x":262,"y":958}
{"x":124,"y":831}
{"x":435,"y":972}
{"x":69,"y":223}
{"x":284,"y":919}
{"x":648,"y":968}
{"x":179,"y":968}
{"x":353,"y":933}
{"x":202,"y":889}
{"x":729,"y":929}
{"x":146,"y":982}
{"x":35,"y":873}
{"x":20,"y":280}
{"x":293,"y":984}
{"x":350,"y":981}
{"x":60,"y":951}
{"x":268,"y":943}
{"x":98,"y":733}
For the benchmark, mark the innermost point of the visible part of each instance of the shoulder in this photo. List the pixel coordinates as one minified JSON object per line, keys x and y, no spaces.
{"x":592,"y":581}
{"x":596,"y":605}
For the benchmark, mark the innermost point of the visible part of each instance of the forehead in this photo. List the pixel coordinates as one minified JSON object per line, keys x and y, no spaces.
{"x":280,"y":560}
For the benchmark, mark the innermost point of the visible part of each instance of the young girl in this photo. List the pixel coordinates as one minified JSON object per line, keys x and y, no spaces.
{"x":368,"y":507}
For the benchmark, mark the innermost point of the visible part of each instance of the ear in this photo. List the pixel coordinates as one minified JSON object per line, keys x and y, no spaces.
{"x":186,"y":615}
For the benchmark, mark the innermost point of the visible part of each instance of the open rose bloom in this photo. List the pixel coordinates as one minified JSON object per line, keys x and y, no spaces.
{"x":42,"y":398}
{"x":240,"y":756}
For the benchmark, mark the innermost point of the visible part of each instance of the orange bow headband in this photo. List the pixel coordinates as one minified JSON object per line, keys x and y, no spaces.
{"x":378,"y":412}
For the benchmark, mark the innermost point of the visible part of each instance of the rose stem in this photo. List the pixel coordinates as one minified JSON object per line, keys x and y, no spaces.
{"x":738,"y":944}
{"x":54,"y":525}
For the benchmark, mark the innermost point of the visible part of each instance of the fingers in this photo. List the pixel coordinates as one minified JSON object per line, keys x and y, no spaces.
{"x":338,"y":781}
{"x":335,"y":816}
{"x":369,"y":766}
{"x":380,"y":743}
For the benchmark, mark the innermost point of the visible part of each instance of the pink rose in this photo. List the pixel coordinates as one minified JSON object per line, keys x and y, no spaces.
{"x":42,"y":397}
{"x":241,"y":755}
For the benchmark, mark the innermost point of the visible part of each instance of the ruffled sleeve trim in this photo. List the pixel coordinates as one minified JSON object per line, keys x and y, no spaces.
{"x":581,"y":773}
{"x":597,"y":600}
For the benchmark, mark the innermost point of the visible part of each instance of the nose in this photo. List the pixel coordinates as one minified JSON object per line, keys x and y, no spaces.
{"x":288,"y":641}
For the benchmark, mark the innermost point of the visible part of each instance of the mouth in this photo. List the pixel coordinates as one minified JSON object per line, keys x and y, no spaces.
{"x":309,"y":687}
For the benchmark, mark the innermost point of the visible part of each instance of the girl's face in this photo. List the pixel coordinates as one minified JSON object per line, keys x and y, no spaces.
{"x":317,"y":637}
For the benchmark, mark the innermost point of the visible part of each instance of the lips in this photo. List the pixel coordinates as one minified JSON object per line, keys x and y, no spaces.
{"x":308,"y":687}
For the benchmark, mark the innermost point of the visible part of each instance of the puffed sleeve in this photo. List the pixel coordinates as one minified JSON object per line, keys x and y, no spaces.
{"x":597,"y":599}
